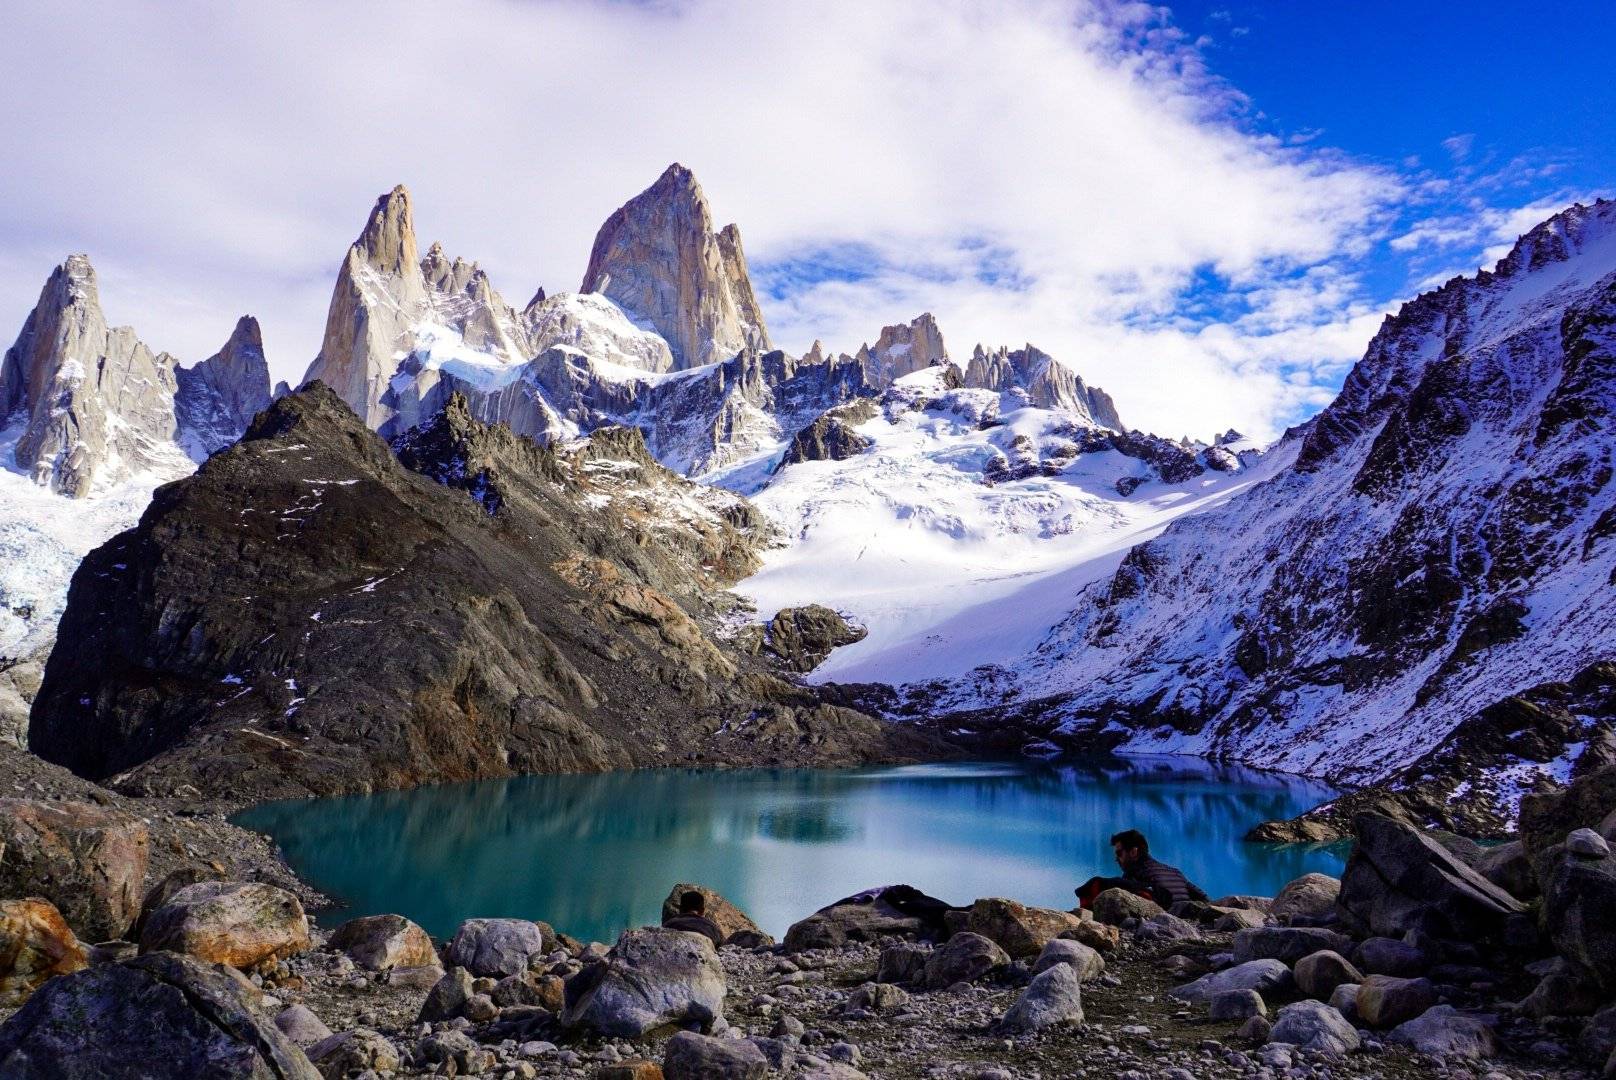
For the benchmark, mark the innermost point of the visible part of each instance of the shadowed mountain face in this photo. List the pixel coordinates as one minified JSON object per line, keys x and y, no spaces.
{"x":307,"y":615}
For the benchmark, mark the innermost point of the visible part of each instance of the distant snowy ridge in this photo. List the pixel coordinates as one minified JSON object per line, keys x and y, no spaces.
{"x":1441,"y":537}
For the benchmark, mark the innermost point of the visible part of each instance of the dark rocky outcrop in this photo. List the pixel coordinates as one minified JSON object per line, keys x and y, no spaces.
{"x":799,"y":639}
{"x":157,"y":1015}
{"x":831,"y":437}
{"x":306,"y":615}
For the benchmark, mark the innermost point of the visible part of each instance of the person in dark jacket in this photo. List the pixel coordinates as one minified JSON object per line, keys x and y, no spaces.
{"x":1141,"y":874}
{"x":692,"y":917}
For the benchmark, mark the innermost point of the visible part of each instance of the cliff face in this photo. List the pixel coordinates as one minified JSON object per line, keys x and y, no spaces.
{"x":659,"y":259}
{"x":218,"y":397}
{"x":495,"y":608}
{"x":94,"y":404}
{"x":1046,"y":382}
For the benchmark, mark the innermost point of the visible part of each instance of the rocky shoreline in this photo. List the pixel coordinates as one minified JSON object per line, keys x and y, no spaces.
{"x":1429,"y":957}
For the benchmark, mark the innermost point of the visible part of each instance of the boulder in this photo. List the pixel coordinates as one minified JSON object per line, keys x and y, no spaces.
{"x":637,"y":1069}
{"x":1318,"y":974}
{"x":1398,"y":880}
{"x":229,"y":922}
{"x":1587,"y":843}
{"x":1018,"y":929}
{"x":965,"y":958}
{"x":1166,"y":927}
{"x":350,"y":1053}
{"x":160,"y":893}
{"x":1579,"y":897}
{"x":1598,"y":1038}
{"x":35,"y":944}
{"x":1267,"y":977}
{"x":156,"y":1015}
{"x":1116,"y":906}
{"x":1236,"y":1005}
{"x":1313,"y":1025}
{"x":730,"y":919}
{"x":834,"y":926}
{"x":1389,"y":956}
{"x":1260,"y":904}
{"x":876,"y":997}
{"x":1508,"y":867}
{"x":1096,"y":935}
{"x":1311,"y":896}
{"x":904,"y":963}
{"x":650,"y":978}
{"x":1585,"y":803}
{"x":1562,"y":991}
{"x":1239,"y":919}
{"x":494,"y":948}
{"x":424,"y":977}
{"x":1444,"y":1032}
{"x":1344,"y":1000}
{"x":298,"y":1023}
{"x":1385,"y":1001}
{"x":1287,"y":943}
{"x":1054,"y":996}
{"x":384,"y":942}
{"x":1256,"y":1028}
{"x":1087,"y":962}
{"x":87,"y":860}
{"x":447,"y":998}
{"x":690,"y":1056}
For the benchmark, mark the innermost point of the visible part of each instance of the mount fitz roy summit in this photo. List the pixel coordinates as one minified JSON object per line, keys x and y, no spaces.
{"x":1410,"y":591}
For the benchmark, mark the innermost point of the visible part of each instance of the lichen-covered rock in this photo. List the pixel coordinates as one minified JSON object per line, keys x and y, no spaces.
{"x":35,"y":945}
{"x":650,"y":978}
{"x":1019,"y":929}
{"x":229,"y":922}
{"x":1115,"y":906}
{"x":156,"y":1015}
{"x":88,"y":860}
{"x":383,"y":942}
{"x":353,"y":1052}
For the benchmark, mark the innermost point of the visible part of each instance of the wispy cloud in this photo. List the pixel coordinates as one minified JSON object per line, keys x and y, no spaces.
{"x":1065,"y":173}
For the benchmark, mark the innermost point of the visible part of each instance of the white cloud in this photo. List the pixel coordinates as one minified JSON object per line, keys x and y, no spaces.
{"x":1064,"y":173}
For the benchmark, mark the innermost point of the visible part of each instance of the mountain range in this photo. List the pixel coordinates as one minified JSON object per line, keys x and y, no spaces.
{"x":1409,"y":594}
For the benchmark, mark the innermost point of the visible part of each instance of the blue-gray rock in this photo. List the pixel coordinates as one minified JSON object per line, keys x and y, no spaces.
{"x":1313,"y":1025}
{"x":1264,"y":976}
{"x":690,"y":1056}
{"x":1442,"y":1031}
{"x":1053,"y":997}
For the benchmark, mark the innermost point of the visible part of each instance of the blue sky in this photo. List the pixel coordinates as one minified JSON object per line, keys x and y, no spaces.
{"x":1205,"y":210}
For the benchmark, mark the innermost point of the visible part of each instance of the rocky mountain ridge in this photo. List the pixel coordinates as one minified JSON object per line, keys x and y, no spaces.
{"x":496,"y":607}
{"x":1439,"y":539}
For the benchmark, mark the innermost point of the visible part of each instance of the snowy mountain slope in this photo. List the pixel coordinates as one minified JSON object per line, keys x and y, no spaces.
{"x":958,"y":535}
{"x":1445,"y":538}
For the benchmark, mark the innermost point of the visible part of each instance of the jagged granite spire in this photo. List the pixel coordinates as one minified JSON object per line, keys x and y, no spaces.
{"x":380,"y":292}
{"x":658,"y":258}
{"x":904,"y":349}
{"x":98,"y":403}
{"x":219,"y":396}
{"x":1049,"y":384}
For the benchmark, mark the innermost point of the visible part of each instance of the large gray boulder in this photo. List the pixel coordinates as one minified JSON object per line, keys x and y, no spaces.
{"x":1385,"y":1001}
{"x":965,"y":958}
{"x":87,"y":860}
{"x":652,"y":977}
{"x":1087,"y":962}
{"x":1313,"y":1025}
{"x":1264,"y":976}
{"x":1397,"y":880}
{"x":690,"y":1056}
{"x":494,"y":948}
{"x":1579,"y":914}
{"x":150,"y":1016}
{"x":1318,"y":974}
{"x":1287,"y":943}
{"x":1444,"y":1032}
{"x":1055,"y":996}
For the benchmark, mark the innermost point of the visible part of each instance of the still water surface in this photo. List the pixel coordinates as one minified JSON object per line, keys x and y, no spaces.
{"x":596,"y":854}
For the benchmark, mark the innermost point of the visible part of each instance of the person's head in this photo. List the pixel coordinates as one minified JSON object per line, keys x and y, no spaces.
{"x":1130,"y":847}
{"x":692,"y":902}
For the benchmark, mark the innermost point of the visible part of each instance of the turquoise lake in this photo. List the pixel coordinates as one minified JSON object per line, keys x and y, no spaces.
{"x":593,"y":855}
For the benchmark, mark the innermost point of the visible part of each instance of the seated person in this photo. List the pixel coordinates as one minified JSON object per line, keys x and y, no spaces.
{"x":1141,"y":874}
{"x":693,"y":918}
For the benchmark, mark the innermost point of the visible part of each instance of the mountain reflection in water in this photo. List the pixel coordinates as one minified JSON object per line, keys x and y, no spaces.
{"x":595,"y":854}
